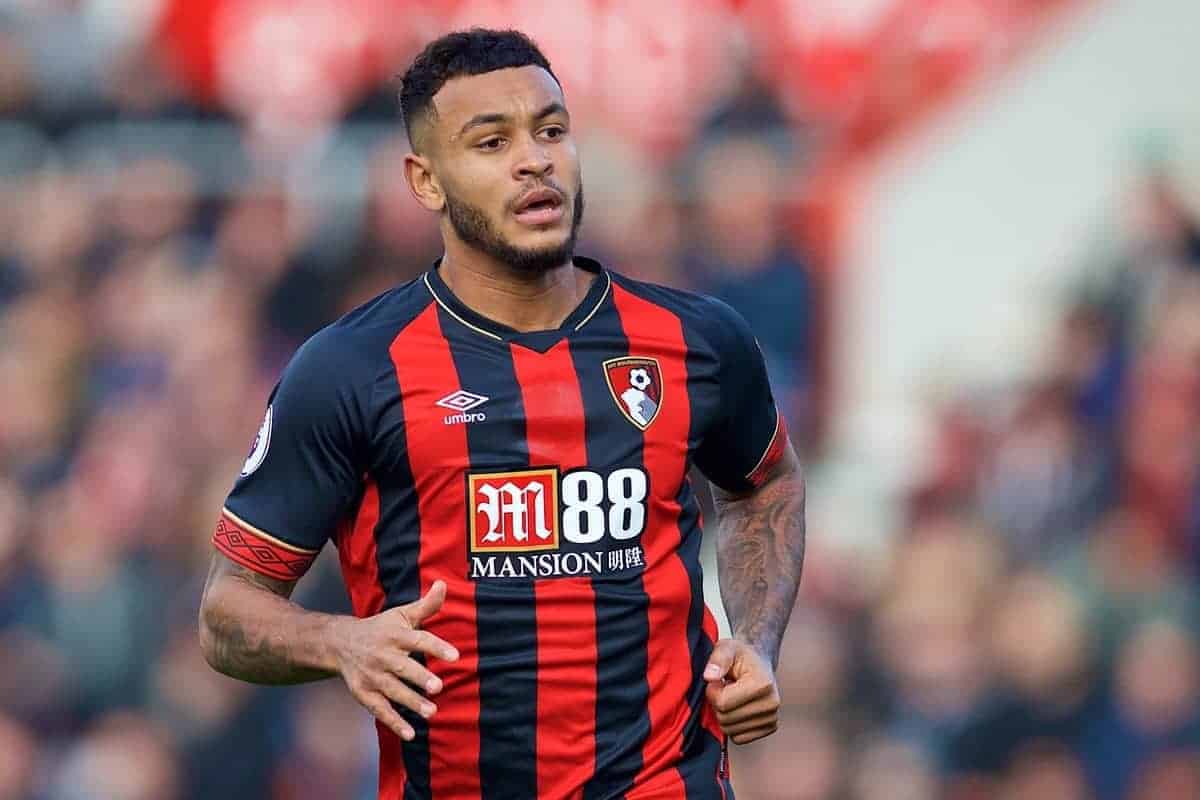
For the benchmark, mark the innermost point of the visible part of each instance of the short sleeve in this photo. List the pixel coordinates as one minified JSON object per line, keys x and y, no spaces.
{"x":749,"y":435}
{"x":304,"y":471}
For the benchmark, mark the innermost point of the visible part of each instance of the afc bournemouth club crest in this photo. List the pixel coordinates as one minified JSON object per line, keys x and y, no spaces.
{"x":636,"y":386}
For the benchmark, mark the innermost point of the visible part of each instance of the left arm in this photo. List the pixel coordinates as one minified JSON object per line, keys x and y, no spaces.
{"x":758,"y":486}
{"x":760,"y":553}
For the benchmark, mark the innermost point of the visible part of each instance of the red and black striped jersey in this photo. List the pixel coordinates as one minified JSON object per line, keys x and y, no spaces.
{"x":544,"y":477}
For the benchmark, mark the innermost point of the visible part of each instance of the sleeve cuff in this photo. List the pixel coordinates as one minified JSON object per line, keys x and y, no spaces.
{"x":772,"y":455}
{"x":258,"y":551}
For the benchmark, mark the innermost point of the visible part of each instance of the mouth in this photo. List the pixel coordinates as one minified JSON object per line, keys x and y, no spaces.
{"x":539,"y":208}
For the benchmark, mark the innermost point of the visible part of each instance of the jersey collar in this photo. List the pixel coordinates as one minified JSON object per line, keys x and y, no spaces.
{"x":474,"y":321}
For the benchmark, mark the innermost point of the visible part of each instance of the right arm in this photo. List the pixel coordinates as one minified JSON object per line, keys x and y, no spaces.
{"x":250,"y":630}
{"x":303,"y":476}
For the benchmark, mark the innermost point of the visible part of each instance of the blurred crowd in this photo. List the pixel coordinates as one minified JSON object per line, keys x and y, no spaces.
{"x":1030,"y":633}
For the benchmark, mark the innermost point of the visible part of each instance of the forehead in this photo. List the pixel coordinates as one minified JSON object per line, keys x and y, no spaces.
{"x":518,"y":91}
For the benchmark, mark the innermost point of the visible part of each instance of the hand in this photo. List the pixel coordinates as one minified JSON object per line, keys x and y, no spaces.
{"x":742,"y":690}
{"x":373,"y":659}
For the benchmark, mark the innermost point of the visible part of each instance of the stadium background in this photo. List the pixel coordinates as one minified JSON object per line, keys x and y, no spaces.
{"x":965,"y":232}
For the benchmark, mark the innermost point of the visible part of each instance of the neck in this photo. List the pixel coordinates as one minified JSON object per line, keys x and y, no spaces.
{"x":523,"y":302}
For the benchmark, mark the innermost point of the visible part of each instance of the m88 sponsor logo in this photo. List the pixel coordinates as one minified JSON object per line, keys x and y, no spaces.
{"x":541,"y":523}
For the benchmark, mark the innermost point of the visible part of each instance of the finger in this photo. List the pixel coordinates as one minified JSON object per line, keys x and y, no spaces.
{"x":383,"y":711}
{"x":402,"y":694}
{"x":713,"y":692}
{"x":750,"y":723}
{"x":765,"y":705}
{"x":754,"y":735}
{"x":413,"y":672}
{"x":743,"y":691}
{"x":426,"y":606}
{"x":720,"y":661}
{"x":425,"y":642}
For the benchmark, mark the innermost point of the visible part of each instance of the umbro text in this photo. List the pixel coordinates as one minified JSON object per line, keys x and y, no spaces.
{"x":454,"y":419}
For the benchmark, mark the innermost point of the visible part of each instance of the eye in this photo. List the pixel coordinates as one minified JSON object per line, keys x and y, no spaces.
{"x":491,"y":143}
{"x":554,"y":132}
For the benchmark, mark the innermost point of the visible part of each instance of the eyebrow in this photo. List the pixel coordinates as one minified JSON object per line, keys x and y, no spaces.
{"x":492,"y":118}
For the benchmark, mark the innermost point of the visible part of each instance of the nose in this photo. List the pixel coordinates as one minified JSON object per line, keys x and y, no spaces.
{"x":533,"y":161}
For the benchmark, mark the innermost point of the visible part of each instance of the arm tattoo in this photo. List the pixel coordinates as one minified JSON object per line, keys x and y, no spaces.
{"x":253,"y":632}
{"x":760,"y":554}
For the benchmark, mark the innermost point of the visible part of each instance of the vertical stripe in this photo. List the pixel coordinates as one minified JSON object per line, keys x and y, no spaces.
{"x":622,"y":626}
{"x":701,"y":753}
{"x":356,"y":551}
{"x":708,"y":716}
{"x":505,"y":612}
{"x":698,"y":768}
{"x":453,"y":734}
{"x":398,"y":547}
{"x":652,"y":329}
{"x":360,"y":570}
{"x":392,"y":784}
{"x":699,"y":645}
{"x":566,"y":614}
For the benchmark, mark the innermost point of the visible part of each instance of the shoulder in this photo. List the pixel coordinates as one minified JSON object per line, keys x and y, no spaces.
{"x":351,"y":350}
{"x":703,"y":316}
{"x":382,"y":318}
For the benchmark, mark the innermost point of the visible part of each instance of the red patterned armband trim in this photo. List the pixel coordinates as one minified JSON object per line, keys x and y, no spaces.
{"x":259,"y":551}
{"x":772,"y":455}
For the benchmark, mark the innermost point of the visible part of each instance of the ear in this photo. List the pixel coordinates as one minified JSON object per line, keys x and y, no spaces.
{"x":424,"y":185}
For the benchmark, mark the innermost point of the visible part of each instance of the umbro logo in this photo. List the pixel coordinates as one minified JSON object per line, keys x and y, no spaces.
{"x":463,"y":402}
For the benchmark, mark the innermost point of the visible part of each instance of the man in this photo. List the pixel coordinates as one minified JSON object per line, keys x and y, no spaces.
{"x":515,"y":526}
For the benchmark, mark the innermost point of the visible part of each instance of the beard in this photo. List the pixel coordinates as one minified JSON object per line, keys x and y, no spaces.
{"x":476,"y":230}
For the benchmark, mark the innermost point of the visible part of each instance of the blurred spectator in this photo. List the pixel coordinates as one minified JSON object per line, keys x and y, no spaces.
{"x":1161,"y":247}
{"x":1171,"y":776}
{"x":333,"y":736}
{"x":1046,"y":479}
{"x":1045,"y":689}
{"x":1089,"y":360}
{"x":139,"y":85}
{"x":1044,"y":771}
{"x":888,"y":769}
{"x":629,"y":193}
{"x":1162,"y":426}
{"x":741,"y":254}
{"x":123,"y":757}
{"x":53,"y":229}
{"x":14,"y":519}
{"x":1127,"y":575}
{"x":1155,"y":708}
{"x":228,"y":732}
{"x":16,"y":80}
{"x":18,"y":761}
{"x":814,"y":667}
{"x":805,"y":760}
{"x":929,"y":630}
{"x":950,"y":479}
{"x":400,"y":238}
{"x":38,"y":365}
{"x":95,"y":603}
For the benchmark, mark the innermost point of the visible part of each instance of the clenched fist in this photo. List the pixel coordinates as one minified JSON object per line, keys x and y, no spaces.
{"x":742,"y":690}
{"x":373,"y":657}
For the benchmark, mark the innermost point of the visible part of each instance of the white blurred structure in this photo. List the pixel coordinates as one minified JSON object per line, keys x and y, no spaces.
{"x":970,"y":229}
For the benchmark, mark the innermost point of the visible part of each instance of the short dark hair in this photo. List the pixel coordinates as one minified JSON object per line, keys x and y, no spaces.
{"x":472,"y":52}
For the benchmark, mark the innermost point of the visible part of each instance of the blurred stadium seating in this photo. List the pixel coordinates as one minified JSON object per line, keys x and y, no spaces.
{"x":189,"y":189}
